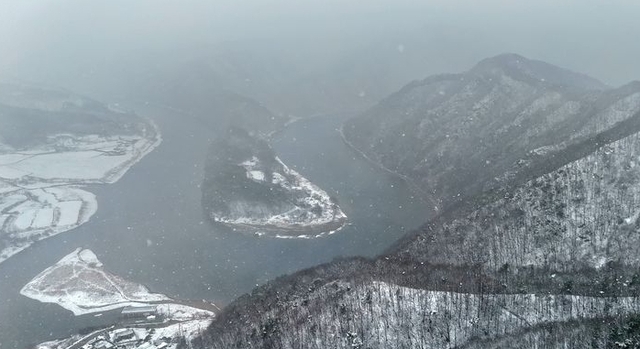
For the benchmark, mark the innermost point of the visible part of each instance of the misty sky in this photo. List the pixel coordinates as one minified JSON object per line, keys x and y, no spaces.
{"x":599,"y":38}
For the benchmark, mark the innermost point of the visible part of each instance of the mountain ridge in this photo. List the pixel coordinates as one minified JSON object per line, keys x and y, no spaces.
{"x":442,"y":130}
{"x":533,"y":204}
{"x":535,"y":69}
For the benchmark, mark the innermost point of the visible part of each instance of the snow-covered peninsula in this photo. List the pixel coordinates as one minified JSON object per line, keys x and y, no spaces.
{"x":79,"y":283}
{"x":313,"y":209}
{"x":250,"y":189}
{"x":51,"y":144}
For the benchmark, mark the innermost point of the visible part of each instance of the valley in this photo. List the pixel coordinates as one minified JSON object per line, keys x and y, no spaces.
{"x":540,"y":243}
{"x":142,"y":239}
{"x":306,"y":175}
{"x":530,"y":241}
{"x":291,"y":175}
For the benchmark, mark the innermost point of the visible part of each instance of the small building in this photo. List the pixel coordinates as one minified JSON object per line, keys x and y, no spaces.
{"x":103,"y":344}
{"x":123,"y":335}
{"x":139,"y":312}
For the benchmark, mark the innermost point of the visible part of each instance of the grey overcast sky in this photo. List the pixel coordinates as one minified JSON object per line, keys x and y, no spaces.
{"x":599,"y":38}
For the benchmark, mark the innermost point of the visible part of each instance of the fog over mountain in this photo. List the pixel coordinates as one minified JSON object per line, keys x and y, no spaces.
{"x":501,"y":114}
{"x":558,"y":227}
{"x":319,"y":174}
{"x":75,"y":41}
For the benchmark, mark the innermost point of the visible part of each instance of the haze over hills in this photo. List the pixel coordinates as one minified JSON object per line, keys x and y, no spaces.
{"x":494,"y":206}
{"x":51,"y":143}
{"x":546,"y":160}
{"x":453,"y":134}
{"x":290,"y":77}
{"x":31,"y":116}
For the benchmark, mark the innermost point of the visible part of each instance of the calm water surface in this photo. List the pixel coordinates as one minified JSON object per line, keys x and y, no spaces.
{"x":150,"y":228}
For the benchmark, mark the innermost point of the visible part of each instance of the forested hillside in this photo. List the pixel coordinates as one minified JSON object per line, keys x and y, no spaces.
{"x":538,"y":240}
{"x":248,"y":188}
{"x":453,"y":134}
{"x":382,"y":315}
{"x":582,"y":215}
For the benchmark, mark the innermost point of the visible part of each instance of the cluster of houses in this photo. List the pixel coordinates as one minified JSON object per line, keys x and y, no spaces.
{"x":127,"y":338}
{"x":132,"y":338}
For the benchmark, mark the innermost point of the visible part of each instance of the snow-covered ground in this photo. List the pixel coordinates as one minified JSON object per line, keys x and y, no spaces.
{"x":179,"y":312}
{"x":69,"y":159}
{"x":39,"y":187}
{"x":456,"y":318}
{"x":79,"y":283}
{"x":144,"y":338}
{"x":27,"y":216}
{"x":584,"y":214}
{"x":313,"y":209}
{"x":384,"y":315}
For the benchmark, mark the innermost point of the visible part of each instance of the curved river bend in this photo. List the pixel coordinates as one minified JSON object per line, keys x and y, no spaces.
{"x":150,"y":229}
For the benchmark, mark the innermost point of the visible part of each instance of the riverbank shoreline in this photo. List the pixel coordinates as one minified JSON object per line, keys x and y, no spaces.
{"x":405,"y":178}
{"x":41,"y":205}
{"x":149,"y":217}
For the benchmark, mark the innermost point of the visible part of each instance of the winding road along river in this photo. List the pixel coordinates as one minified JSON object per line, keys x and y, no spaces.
{"x":150,"y":228}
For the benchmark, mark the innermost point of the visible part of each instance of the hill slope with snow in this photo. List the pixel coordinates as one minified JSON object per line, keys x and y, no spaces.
{"x":540,"y":247}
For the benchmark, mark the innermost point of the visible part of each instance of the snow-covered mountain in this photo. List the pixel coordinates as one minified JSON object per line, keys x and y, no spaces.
{"x":584,"y":215}
{"x":540,"y":248}
{"x":453,"y":134}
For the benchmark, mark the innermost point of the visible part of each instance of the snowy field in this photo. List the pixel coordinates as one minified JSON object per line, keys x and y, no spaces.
{"x":39,"y":188}
{"x":69,"y":159}
{"x":27,"y":216}
{"x":79,"y":284}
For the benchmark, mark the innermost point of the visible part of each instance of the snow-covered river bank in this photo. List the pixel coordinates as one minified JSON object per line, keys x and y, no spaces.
{"x":40,"y":188}
{"x":150,"y":229}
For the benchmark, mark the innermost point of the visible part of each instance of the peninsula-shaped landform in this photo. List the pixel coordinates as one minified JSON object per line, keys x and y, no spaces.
{"x":80,"y":283}
{"x":248,"y":188}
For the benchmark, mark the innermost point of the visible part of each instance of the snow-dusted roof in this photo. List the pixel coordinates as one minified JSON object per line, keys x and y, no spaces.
{"x":139,"y":310}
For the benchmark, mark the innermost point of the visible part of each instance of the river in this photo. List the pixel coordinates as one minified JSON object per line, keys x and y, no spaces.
{"x":149,"y":227}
